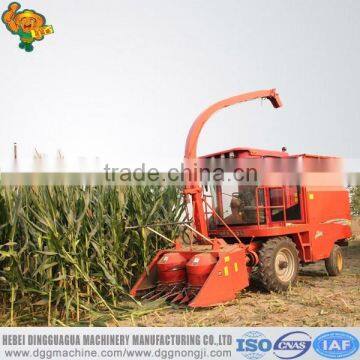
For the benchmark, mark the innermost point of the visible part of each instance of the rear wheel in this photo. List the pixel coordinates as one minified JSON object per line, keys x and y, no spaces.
{"x":334,"y":263}
{"x":279,"y":263}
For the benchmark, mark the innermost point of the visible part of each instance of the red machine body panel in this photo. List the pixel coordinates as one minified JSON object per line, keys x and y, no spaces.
{"x":329,"y":219}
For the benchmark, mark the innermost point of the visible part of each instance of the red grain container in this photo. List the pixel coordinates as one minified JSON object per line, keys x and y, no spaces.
{"x":171,"y":268}
{"x":199,"y":267}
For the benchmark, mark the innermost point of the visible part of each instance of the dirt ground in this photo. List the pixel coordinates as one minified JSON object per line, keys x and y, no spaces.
{"x":316,"y":300}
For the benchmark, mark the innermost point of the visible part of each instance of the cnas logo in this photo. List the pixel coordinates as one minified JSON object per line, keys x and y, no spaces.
{"x":292,"y":345}
{"x":253,"y":345}
{"x":336,"y":344}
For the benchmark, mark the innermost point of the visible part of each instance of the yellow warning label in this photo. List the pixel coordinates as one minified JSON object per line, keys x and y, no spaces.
{"x":311,"y":196}
{"x":226,"y":271}
{"x":236,"y":267}
{"x":227,"y":259}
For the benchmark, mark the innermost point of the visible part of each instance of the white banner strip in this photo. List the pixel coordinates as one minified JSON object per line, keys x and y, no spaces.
{"x":179,"y":343}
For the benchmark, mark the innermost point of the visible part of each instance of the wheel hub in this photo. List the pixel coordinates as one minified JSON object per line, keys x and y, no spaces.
{"x":284,"y":265}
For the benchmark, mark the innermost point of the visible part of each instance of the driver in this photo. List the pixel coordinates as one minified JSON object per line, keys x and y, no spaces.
{"x":237,"y":214}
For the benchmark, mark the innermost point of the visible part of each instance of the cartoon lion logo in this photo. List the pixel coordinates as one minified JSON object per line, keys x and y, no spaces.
{"x":28,"y":24}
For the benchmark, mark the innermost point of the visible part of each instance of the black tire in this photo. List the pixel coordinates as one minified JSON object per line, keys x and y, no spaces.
{"x":279,"y":263}
{"x":334,"y":263}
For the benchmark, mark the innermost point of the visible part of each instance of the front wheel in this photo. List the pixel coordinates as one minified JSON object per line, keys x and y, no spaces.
{"x":279,"y":263}
{"x":334,"y":263}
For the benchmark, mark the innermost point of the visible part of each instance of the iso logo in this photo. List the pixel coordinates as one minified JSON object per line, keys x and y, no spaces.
{"x":253,"y":345}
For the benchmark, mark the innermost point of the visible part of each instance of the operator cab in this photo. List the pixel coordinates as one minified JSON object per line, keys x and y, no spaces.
{"x":249,"y":204}
{"x":247,"y":200}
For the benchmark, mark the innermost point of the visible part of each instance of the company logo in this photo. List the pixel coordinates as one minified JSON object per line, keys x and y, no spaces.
{"x":336,"y":345}
{"x":27,"y":24}
{"x":253,"y":345}
{"x":292,"y":345}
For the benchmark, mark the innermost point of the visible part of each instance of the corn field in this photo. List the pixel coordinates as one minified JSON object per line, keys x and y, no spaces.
{"x":66,"y":257}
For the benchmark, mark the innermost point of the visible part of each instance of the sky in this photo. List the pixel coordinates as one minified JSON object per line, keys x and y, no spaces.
{"x":121,"y":82}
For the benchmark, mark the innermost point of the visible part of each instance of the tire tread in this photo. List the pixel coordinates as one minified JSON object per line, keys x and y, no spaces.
{"x":331,"y":262}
